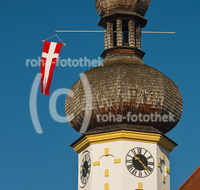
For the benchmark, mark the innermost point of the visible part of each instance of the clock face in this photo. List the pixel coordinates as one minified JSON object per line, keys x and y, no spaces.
{"x":139,"y":162}
{"x":85,"y":167}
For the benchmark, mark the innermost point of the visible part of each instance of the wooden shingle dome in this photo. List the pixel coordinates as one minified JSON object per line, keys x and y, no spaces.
{"x":122,"y":86}
{"x":107,"y":6}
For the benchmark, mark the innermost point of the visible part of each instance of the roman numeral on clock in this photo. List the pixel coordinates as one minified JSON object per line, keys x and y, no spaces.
{"x":151,"y":163}
{"x":86,"y":157}
{"x":149,"y":168}
{"x":128,"y":161}
{"x":82,"y":179}
{"x":130,"y":167}
{"x":134,"y":172}
{"x":130,"y":156}
{"x":133,"y":151}
{"x":139,"y":150}
{"x":140,"y":174}
{"x":145,"y":172}
{"x":149,"y":157}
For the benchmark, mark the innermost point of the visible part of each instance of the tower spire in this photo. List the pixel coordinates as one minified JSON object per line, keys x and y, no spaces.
{"x":132,"y":106}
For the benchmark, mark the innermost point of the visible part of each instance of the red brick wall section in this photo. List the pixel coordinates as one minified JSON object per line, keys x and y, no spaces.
{"x":193,"y":182}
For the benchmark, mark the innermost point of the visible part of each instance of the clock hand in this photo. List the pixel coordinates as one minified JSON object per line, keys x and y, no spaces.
{"x":84,"y":168}
{"x":137,"y":158}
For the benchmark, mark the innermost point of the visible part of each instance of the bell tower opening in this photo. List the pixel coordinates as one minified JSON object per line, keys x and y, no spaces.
{"x":125,"y":33}
{"x":114,"y":34}
{"x":122,"y":36}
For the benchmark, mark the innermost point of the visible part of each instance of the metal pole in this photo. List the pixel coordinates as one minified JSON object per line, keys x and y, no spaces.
{"x":72,"y":31}
{"x":96,"y":31}
{"x":152,"y":32}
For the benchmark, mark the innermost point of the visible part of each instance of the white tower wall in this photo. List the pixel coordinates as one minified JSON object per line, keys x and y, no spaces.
{"x":109,"y":170}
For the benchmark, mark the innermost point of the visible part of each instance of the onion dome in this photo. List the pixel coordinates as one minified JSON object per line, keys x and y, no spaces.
{"x":104,"y":7}
{"x":123,"y":87}
{"x":123,"y":93}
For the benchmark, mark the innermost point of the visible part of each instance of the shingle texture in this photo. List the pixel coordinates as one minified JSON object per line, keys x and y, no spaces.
{"x":123,"y":86}
{"x":107,"y":6}
{"x":193,"y":182}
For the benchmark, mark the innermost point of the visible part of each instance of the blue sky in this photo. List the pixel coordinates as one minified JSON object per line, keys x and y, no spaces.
{"x":46,"y":161}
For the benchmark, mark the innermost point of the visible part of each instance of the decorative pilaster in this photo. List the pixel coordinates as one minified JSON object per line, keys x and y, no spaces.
{"x":119,"y":32}
{"x":110,"y":34}
{"x":105,"y":39}
{"x":131,"y":29}
{"x":138,"y":36}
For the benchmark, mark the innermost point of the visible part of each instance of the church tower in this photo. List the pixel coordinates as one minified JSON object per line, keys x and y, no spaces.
{"x":123,"y":108}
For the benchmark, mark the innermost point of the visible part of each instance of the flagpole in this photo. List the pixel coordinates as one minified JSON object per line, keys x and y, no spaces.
{"x":100,"y":31}
{"x":80,"y":31}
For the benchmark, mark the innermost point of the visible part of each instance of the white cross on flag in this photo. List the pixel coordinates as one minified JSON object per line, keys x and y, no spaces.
{"x":50,"y":54}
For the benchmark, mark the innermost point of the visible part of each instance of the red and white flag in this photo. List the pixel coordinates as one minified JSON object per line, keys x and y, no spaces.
{"x":50,"y":54}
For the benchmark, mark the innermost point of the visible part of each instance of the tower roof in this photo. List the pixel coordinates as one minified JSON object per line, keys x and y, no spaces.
{"x":107,"y":6}
{"x":120,"y":87}
{"x":124,"y":87}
